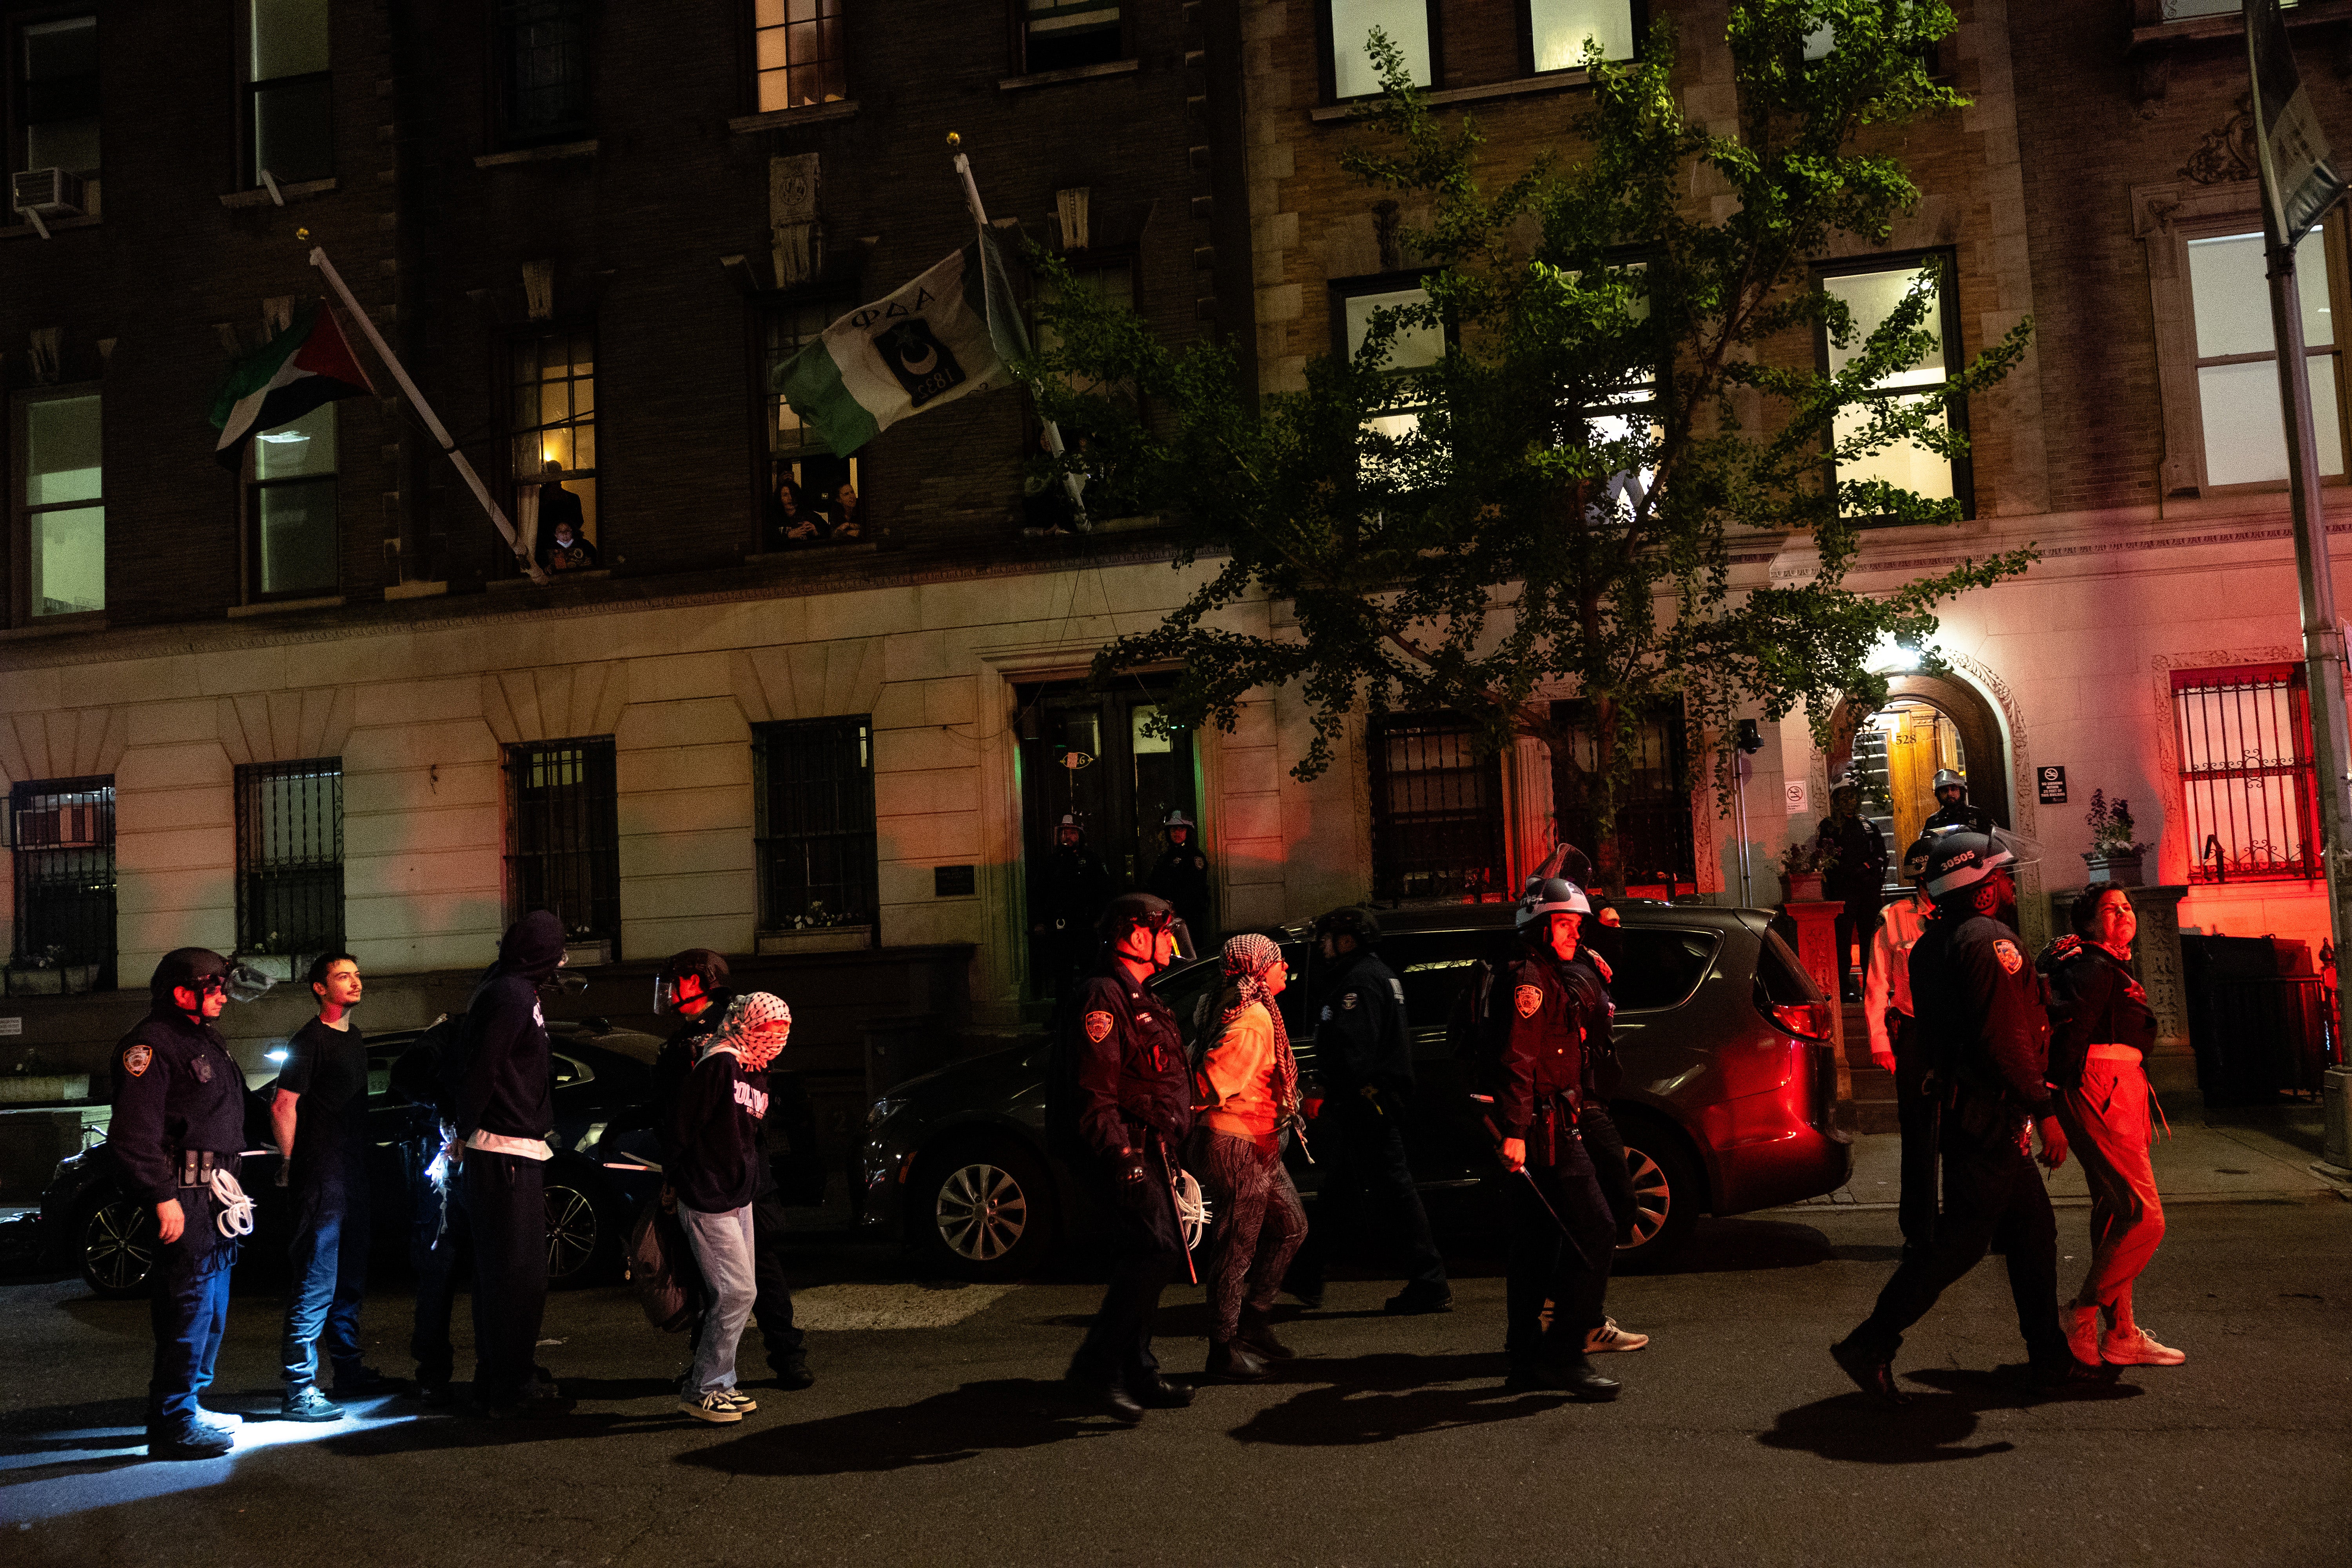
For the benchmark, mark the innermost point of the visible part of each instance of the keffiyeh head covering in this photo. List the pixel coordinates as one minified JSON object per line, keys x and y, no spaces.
{"x":754,"y":1029}
{"x":1247,"y":958}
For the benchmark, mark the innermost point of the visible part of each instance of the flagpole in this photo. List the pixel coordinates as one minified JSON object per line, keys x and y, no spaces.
{"x":432,"y":420}
{"x":1053,"y":431}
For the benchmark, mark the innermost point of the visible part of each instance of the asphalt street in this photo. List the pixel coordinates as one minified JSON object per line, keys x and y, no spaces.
{"x":938,"y":1432}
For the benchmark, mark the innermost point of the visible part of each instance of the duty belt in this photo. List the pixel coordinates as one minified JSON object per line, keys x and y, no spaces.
{"x":197,"y":1165}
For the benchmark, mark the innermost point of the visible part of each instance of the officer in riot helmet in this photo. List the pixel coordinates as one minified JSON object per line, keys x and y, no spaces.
{"x":1952,"y":808}
{"x":1180,"y":876}
{"x":1537,"y":1074}
{"x":1119,"y":1105}
{"x":1068,"y":899}
{"x":178,"y":1123}
{"x":1363,"y":1091}
{"x":1978,"y":1009}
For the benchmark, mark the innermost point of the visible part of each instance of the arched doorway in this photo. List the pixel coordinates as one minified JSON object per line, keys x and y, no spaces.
{"x":1929,"y":722}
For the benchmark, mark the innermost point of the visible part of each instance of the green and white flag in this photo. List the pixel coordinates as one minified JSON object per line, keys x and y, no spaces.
{"x":951,"y":333}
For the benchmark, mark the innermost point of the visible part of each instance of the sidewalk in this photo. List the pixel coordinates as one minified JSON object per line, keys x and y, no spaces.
{"x":2212,"y":1157}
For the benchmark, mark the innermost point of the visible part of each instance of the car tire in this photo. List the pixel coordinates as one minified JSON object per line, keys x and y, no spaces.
{"x":985,"y":1210}
{"x":581,"y":1238}
{"x":117,"y":1241}
{"x":1668,"y":1194}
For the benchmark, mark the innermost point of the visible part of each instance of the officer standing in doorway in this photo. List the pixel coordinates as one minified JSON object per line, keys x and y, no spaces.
{"x":1363,"y":1066}
{"x":693,"y":986}
{"x":1980,"y":1013}
{"x":178,"y":1123}
{"x":1181,"y":877}
{"x":1952,"y":808}
{"x":1121,"y":1104}
{"x":1070,"y":899}
{"x":1563,"y":1236}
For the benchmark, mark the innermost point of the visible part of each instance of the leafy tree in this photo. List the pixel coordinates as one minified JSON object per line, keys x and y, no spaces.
{"x":1620,"y":391}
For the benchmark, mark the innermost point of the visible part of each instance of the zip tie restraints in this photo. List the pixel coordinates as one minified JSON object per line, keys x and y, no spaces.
{"x":237,"y":1210}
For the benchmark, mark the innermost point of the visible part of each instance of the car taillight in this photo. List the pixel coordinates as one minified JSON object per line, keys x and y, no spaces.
{"x":1806,"y":1020}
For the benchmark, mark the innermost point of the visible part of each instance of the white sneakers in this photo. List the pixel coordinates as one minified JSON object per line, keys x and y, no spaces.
{"x":717,"y":1405}
{"x":1610,"y":1337}
{"x":2135,"y":1346}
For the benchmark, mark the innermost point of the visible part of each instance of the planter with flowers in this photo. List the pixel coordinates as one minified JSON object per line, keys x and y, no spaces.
{"x":1802,"y":865}
{"x":2112,"y":857}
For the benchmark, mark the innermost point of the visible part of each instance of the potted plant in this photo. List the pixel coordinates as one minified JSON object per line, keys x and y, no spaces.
{"x":36,"y":973}
{"x":2114,"y":857}
{"x":1802,"y":865}
{"x":819,"y":931}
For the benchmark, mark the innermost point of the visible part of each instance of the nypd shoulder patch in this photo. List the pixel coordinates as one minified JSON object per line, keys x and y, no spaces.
{"x":137,"y":1059}
{"x":1098,"y":1027}
{"x":2012,"y":961}
{"x":1528,"y":1000}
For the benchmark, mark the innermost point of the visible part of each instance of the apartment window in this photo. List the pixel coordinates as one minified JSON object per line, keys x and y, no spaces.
{"x":1111,"y":281}
{"x":1347,"y":26}
{"x":2243,"y":436}
{"x":1437,"y":812}
{"x":1063,"y":35}
{"x":1556,"y":31}
{"x":2246,"y":773}
{"x":291,"y":547}
{"x":63,"y":833}
{"x":554,"y":415}
{"x":542,"y":47}
{"x":813,"y":834}
{"x":1872,"y":290}
{"x":289,"y":857}
{"x":803,"y":58}
{"x":61,"y":508}
{"x":1655,"y":845}
{"x":57,"y":97}
{"x":1355,"y":304}
{"x":804,"y":479}
{"x":564,"y":836}
{"x":289,"y":94}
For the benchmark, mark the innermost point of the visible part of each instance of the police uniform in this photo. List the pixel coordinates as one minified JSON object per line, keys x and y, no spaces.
{"x":1180,"y":876}
{"x":1363,"y":1059}
{"x":1960,"y":816}
{"x":1130,"y":1105}
{"x":1077,"y":886}
{"x":179,"y":1115}
{"x":1539,"y":1077}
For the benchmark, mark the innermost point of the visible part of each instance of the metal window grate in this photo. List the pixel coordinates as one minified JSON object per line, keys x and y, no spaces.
{"x":289,"y":857}
{"x":1653,"y":838}
{"x":2246,"y":771}
{"x":814,"y":829}
{"x":63,"y":832}
{"x":564,"y":836}
{"x":546,"y":47}
{"x":1437,"y":812}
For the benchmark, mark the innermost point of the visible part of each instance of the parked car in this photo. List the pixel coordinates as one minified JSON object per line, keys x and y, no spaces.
{"x":603,"y":1076}
{"x":1730,"y":1079}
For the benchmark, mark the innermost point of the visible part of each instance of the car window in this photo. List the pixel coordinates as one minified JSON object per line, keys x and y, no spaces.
{"x":1784,"y":978}
{"x":1433,"y":967}
{"x":569,"y":1069}
{"x":1661,"y":966}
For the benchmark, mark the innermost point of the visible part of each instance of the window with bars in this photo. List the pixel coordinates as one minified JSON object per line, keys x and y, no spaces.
{"x":803,"y":60}
{"x":2246,"y":773}
{"x":1654,"y":844}
{"x":290,"y":92}
{"x":552,"y":418}
{"x":544,"y":71}
{"x":814,"y":783}
{"x":564,"y":836}
{"x":63,"y":833}
{"x":1437,"y":812}
{"x":289,"y":857}
{"x":805,"y":479}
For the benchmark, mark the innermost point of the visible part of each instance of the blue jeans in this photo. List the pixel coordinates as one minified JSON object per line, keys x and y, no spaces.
{"x":724,"y":1250}
{"x":189,"y":1307}
{"x":329,"y":1257}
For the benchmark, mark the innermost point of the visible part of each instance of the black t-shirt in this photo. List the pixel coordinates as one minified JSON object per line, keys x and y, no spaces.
{"x":328,"y":1068}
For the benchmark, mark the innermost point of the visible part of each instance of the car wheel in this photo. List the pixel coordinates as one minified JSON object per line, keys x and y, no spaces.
{"x":986,"y":1210}
{"x":1666,"y":1196}
{"x":575,"y":1235}
{"x":119,"y":1242}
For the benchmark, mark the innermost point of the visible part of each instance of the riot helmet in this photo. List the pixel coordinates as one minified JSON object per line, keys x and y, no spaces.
{"x":1354,"y":922}
{"x":1146,"y":909}
{"x":1949,"y":779}
{"x":199,"y":969}
{"x":1550,"y":896}
{"x":1915,"y":859}
{"x":1960,"y":861}
{"x":704,"y":965}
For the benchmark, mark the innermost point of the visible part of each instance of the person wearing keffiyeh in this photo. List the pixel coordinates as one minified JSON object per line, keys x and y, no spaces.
{"x":1248,"y":1094}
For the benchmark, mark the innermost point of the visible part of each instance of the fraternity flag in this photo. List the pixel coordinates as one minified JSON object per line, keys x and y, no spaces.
{"x":306,"y":364}
{"x":948,"y":333}
{"x":2299,"y":178}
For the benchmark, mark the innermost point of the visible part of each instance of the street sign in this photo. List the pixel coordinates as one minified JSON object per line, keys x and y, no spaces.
{"x":2053,"y":785}
{"x":2299,"y":178}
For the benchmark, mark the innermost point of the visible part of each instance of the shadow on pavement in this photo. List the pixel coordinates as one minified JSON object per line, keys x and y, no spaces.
{"x":71,"y":1440}
{"x":999,"y":1413}
{"x":1379,"y":1398}
{"x":1931,"y":1429}
{"x":1742,"y":1245}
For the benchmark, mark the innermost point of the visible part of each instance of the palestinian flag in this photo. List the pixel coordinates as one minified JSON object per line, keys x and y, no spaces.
{"x":948,"y":333}
{"x":306,"y":364}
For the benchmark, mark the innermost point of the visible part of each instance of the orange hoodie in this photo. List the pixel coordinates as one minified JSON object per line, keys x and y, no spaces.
{"x":1240,"y":1072}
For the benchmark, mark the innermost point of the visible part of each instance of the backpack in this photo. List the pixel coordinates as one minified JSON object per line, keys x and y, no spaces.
{"x":661,"y":1268}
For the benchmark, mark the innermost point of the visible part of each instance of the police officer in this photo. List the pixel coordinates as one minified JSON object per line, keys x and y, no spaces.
{"x":1180,"y":876}
{"x":178,"y":1123}
{"x":1563,"y":1236}
{"x":1070,"y":899}
{"x":1952,"y":808}
{"x":1896,"y":1046}
{"x":1855,"y":879}
{"x":1980,"y":1014}
{"x":692,"y":986}
{"x":1122,"y":1105}
{"x":1599,"y":948}
{"x":1363,"y":1067}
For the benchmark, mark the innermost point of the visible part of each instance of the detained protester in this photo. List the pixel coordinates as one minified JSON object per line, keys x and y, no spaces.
{"x":502,"y":1109}
{"x":1120,"y":1104}
{"x":178,"y":1122}
{"x":1363,"y":1071}
{"x":2101,"y":1031}
{"x":693,"y":986}
{"x":1896,"y":1046}
{"x":710,"y":1164}
{"x":1180,"y":876}
{"x":1537,"y":1073}
{"x":1249,"y":1087}
{"x":1979,"y":1015}
{"x":319,"y":1117}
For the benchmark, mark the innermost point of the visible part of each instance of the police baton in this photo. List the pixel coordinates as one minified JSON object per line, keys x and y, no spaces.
{"x":1487,"y":1120}
{"x":1175,"y":1204}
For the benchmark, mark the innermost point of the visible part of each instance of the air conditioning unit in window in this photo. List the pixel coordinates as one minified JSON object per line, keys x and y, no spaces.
{"x":46,"y":192}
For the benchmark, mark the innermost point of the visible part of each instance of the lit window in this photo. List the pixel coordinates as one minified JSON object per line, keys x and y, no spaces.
{"x":294,"y":540}
{"x":1350,"y":25}
{"x":1871,"y":294}
{"x":2237,"y":358}
{"x":289,"y":93}
{"x":555,"y":429}
{"x":802,"y":59}
{"x":62,"y":508}
{"x":805,"y":480}
{"x":1557,"y":31}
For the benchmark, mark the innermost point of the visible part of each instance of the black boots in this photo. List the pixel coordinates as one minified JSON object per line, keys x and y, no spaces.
{"x":1418,"y":1298}
{"x":1257,"y":1333}
{"x":1232,"y":1360}
{"x":1871,"y":1367}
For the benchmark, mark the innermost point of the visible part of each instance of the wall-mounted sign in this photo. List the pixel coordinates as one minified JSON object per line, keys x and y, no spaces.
{"x":952,"y":882}
{"x":12,"y":1025}
{"x":1801,"y":797}
{"x":2053,"y":785}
